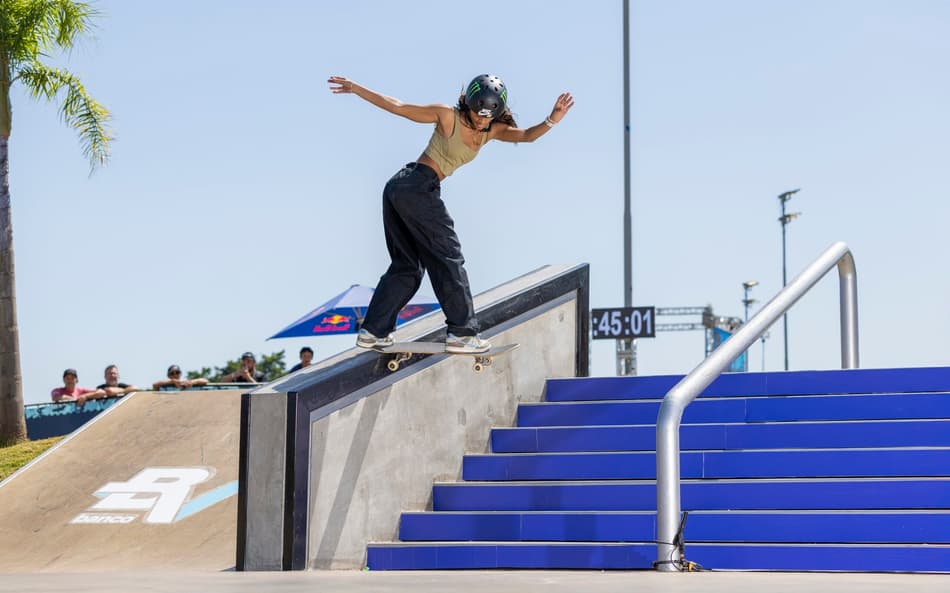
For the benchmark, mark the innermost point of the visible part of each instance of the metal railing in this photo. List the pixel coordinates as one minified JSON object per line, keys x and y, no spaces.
{"x":669,"y":541}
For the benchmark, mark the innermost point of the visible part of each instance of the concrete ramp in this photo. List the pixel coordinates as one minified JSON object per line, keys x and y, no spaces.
{"x":149,"y":484}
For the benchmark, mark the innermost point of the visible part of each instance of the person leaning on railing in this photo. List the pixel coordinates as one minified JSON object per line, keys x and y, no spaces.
{"x":175,"y":381}
{"x":71,"y":392}
{"x":113,"y":387}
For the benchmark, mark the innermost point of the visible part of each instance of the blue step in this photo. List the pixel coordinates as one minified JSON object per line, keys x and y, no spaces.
{"x":820,"y":435}
{"x":702,"y":526}
{"x":827,"y":557}
{"x":781,"y":409}
{"x":620,"y":556}
{"x":453,"y":555}
{"x":804,"y":494}
{"x":710,"y":464}
{"x":923,"y":379}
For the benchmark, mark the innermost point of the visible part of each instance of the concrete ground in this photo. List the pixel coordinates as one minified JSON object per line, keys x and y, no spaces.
{"x":463,"y":581}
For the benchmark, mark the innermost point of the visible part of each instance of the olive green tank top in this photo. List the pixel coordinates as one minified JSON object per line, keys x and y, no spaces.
{"x":451,"y":153}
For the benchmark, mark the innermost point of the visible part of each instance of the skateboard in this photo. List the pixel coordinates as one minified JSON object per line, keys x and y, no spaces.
{"x":404,"y":350}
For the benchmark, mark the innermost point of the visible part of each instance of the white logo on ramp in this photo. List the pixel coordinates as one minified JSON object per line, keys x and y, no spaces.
{"x":162,"y":491}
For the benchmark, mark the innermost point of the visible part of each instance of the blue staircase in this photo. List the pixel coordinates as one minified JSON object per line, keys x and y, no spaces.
{"x":817,"y":470}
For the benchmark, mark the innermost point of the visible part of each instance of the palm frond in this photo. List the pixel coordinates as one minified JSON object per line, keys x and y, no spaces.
{"x":8,"y":24}
{"x":78,"y":109}
{"x":71,"y":20}
{"x":36,"y":26}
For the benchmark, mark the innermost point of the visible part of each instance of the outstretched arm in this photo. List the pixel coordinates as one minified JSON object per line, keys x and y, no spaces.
{"x":426,"y":114}
{"x":509,"y":134}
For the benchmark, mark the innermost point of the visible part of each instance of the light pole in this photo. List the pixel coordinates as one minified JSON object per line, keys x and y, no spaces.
{"x":627,"y":347}
{"x":785,"y":219}
{"x":747,"y":286}
{"x":746,"y":301}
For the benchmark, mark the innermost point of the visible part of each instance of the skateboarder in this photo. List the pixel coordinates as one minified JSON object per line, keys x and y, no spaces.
{"x":420,"y":234}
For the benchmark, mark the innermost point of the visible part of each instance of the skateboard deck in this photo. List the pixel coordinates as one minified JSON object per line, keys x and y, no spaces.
{"x":403,"y":351}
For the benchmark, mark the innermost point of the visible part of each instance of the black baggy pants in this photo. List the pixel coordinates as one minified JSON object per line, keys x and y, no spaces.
{"x":420,"y":236}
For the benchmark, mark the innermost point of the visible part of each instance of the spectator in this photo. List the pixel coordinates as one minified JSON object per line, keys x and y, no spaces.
{"x":175,"y":380}
{"x":247,"y":373}
{"x":306,"y":357}
{"x":112,"y":387}
{"x":71,"y":392}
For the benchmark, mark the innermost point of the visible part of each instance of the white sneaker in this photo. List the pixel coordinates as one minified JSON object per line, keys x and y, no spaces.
{"x":465,"y":344}
{"x":367,"y":340}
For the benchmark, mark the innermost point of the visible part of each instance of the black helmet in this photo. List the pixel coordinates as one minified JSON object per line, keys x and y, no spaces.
{"x":487,"y":96}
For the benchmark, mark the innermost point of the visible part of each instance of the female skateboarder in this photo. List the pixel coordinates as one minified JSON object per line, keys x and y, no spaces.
{"x":420,"y":234}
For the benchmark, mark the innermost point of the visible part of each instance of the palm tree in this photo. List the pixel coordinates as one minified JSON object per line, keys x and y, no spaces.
{"x":29,"y":29}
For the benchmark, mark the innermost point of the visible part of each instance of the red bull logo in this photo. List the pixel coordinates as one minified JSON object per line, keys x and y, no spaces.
{"x":412,"y":311}
{"x":335,"y":319}
{"x":333,"y":324}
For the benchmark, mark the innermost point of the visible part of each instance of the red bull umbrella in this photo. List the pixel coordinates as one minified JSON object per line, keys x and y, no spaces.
{"x":344,"y":313}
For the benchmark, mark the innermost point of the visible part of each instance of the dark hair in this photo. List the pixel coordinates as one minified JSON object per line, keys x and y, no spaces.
{"x":111,"y":366}
{"x":506,"y":117}
{"x":70,"y":372}
{"x":306,"y":349}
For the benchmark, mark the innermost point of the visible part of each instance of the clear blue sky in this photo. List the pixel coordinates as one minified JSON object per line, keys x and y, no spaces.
{"x":242,"y":193}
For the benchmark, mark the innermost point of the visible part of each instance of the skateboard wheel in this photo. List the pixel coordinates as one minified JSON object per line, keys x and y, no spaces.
{"x":393,"y":365}
{"x":478,"y":367}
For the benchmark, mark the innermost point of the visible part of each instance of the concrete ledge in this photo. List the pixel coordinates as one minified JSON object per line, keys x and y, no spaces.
{"x":357,"y":444}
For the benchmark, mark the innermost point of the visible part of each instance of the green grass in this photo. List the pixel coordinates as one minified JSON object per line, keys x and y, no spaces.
{"x":13,"y":457}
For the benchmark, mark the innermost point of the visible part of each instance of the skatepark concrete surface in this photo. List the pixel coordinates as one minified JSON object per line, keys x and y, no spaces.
{"x":463,"y":581}
{"x":93,"y":502}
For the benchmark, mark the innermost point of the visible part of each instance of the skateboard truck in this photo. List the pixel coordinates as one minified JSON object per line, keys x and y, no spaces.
{"x":404,"y":351}
{"x":480,"y":361}
{"x":393,"y":364}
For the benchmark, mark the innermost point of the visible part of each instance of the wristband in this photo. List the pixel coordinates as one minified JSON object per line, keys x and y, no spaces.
{"x":549,"y":122}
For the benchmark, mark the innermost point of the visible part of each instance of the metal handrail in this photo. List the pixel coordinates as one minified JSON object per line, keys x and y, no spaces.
{"x":684,"y":392}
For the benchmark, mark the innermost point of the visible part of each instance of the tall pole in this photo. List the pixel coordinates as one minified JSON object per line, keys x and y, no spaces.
{"x":746,"y":301}
{"x":627,"y":348}
{"x":785,"y":219}
{"x":784,"y":282}
{"x":627,"y":225}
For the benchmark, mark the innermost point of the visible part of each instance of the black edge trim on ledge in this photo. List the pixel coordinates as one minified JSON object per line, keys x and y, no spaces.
{"x":296,"y":490}
{"x":242,"y":482}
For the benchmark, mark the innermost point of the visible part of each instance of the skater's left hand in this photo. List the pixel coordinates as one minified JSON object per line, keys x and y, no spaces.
{"x":561,"y":107}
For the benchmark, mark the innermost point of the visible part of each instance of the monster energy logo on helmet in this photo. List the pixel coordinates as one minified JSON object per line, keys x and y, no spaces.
{"x":487,"y":96}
